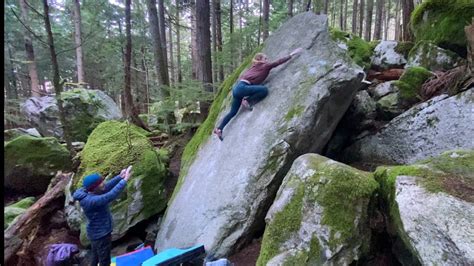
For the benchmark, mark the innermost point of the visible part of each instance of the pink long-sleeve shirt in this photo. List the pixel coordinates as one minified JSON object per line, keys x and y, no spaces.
{"x":258,"y":72}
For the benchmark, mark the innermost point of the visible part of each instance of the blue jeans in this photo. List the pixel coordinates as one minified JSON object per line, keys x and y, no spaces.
{"x":101,"y":250}
{"x":255,"y":93}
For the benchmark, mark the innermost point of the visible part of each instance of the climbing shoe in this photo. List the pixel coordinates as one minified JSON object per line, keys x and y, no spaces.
{"x":218,"y":133}
{"x":245,"y":103}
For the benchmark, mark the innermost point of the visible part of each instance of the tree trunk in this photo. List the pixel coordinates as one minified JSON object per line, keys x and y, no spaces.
{"x":397,"y":20}
{"x":407,"y":6}
{"x":308,"y":6}
{"x":161,"y":17}
{"x":218,"y":11}
{"x":194,"y":56}
{"x":12,"y":92}
{"x":240,"y":33}
{"x":341,"y":15}
{"x":259,"y":22}
{"x":266,"y":14}
{"x":78,"y":42}
{"x":214,"y":41}
{"x":170,"y":33}
{"x":361,"y":19}
{"x":368,"y":22}
{"x":345,"y":14}
{"x":130,"y":109}
{"x":378,"y":20}
{"x":326,"y":6}
{"x":387,"y":20}
{"x":203,"y":39}
{"x":178,"y":44}
{"x":58,"y":84}
{"x":30,"y":52}
{"x":160,"y":66}
{"x":333,"y":13}
{"x":355,"y":4}
{"x":290,"y":8}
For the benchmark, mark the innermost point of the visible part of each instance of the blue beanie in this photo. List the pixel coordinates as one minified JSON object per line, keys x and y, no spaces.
{"x":91,"y":181}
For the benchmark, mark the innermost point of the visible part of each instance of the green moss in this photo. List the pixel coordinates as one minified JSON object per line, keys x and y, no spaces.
{"x":359,"y":50}
{"x":294,"y":112}
{"x":12,"y":211}
{"x":411,"y":81}
{"x":344,"y":187}
{"x":404,"y":48}
{"x":111,"y":147}
{"x":284,"y":223}
{"x":444,"y":23}
{"x":205,"y":130}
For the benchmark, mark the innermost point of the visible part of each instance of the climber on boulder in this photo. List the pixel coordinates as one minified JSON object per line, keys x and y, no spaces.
{"x":94,"y":198}
{"x":248,"y":90}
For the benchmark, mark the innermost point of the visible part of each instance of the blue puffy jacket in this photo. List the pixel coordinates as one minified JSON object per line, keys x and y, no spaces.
{"x":96,"y":207}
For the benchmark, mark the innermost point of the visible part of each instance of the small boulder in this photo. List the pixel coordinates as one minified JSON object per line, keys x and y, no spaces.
{"x":31,"y":162}
{"x":386,"y":56}
{"x":432,"y":57}
{"x":319,"y":216}
{"x":382,"y":90}
{"x":10,"y":134}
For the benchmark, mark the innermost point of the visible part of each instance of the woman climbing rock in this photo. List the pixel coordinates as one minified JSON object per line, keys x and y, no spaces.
{"x":248,"y":90}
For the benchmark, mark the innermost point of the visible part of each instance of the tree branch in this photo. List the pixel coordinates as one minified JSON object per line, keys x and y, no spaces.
{"x":36,"y":11}
{"x":28,"y":29}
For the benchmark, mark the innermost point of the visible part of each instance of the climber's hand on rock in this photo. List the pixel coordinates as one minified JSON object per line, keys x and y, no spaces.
{"x":128,"y":173}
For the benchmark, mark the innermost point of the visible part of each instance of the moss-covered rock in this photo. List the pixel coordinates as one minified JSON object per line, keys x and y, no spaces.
{"x":84,"y":110}
{"x":428,"y":55}
{"x":14,"y":210}
{"x":442,"y":22}
{"x":359,"y":50}
{"x":319,"y":216}
{"x":10,"y":134}
{"x":410,"y":83}
{"x":113,"y":146}
{"x":434,"y":195}
{"x":31,"y":162}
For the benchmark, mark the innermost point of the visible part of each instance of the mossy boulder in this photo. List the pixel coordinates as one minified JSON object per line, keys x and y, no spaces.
{"x":113,"y":146}
{"x":235,"y":180}
{"x":432,"y":57}
{"x":427,"y":129}
{"x":31,"y":162}
{"x":389,"y":106}
{"x":442,"y":22}
{"x":386,"y":56}
{"x":84,"y":110}
{"x":14,"y":210}
{"x":431,"y":208}
{"x":10,"y":134}
{"x":358,"y":49}
{"x":410,"y":84}
{"x":319,"y":216}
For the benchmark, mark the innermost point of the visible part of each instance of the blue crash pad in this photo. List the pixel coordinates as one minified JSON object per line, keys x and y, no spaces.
{"x":135,"y":257}
{"x":175,"y":256}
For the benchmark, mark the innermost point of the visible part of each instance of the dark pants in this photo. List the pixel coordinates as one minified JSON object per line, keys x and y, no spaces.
{"x":255,"y":93}
{"x":101,"y":250}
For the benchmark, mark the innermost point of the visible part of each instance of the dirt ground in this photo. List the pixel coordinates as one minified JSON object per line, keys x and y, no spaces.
{"x":247,"y":256}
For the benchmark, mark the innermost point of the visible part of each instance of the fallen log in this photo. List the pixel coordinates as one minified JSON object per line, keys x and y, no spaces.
{"x":18,"y":236}
{"x":386,"y":75}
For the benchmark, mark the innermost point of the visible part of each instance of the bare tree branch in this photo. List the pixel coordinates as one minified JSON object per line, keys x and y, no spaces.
{"x":28,"y":29}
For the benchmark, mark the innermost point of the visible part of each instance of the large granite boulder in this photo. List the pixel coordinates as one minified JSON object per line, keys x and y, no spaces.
{"x":431,"y":209}
{"x":320,"y":215}
{"x":428,"y":129}
{"x":432,"y":57}
{"x":386,"y":56}
{"x":31,"y":162}
{"x":230,"y":184}
{"x":113,"y":146}
{"x":84,"y":109}
{"x":11,"y":212}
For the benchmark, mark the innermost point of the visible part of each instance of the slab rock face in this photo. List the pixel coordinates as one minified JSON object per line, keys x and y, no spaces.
{"x":431,"y":207}
{"x":319,"y":216}
{"x":85,"y":109}
{"x":113,"y":146}
{"x":428,"y":129}
{"x":226,"y":188}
